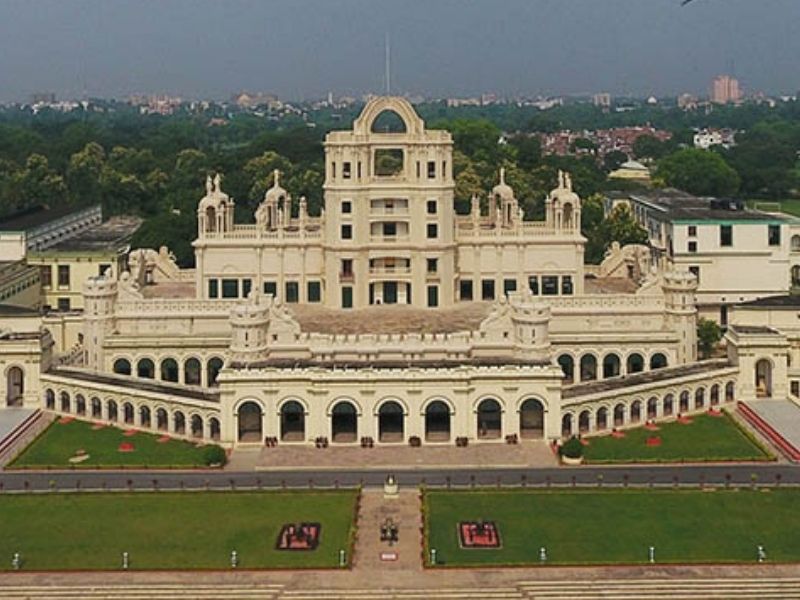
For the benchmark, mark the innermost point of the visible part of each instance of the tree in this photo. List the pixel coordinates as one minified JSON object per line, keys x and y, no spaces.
{"x":614,"y":160}
{"x":39,"y":184}
{"x":649,"y":147}
{"x":619,"y":226}
{"x":708,"y":336}
{"x":699,"y":172}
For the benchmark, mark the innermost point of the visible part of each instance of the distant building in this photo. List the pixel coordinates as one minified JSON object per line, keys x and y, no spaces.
{"x":708,"y":138}
{"x":687,"y":102}
{"x":632,"y":171}
{"x":603,"y":100}
{"x":725,"y":89}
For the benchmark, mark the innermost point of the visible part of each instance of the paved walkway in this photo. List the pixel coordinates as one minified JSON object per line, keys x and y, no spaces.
{"x":404,"y":511}
{"x":295,"y":458}
{"x":11,"y":418}
{"x":782,"y":415}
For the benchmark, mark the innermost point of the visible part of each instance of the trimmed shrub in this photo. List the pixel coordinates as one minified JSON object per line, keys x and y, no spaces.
{"x":215,"y":455}
{"x":572,"y":448}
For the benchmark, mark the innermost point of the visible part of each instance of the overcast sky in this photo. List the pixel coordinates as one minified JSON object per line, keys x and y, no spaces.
{"x":304,"y":48}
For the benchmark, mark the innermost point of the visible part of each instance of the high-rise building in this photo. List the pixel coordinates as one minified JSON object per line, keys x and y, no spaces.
{"x":603,"y":100}
{"x":725,"y":89}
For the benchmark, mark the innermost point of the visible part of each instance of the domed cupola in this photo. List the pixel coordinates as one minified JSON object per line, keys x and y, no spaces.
{"x":276,"y":208}
{"x":215,"y":211}
{"x":563,"y":205}
{"x":502,"y":201}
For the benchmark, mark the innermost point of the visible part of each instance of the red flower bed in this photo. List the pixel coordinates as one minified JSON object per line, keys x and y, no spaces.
{"x":653,"y":440}
{"x":130,"y":432}
{"x":65,"y":420}
{"x":685,"y":420}
{"x":482,"y":534}
{"x":618,"y":434}
{"x":715,"y":412}
{"x":97,"y":426}
{"x":584,"y":441}
{"x":126,"y":447}
{"x":163,"y":439}
{"x":304,"y":536}
{"x":652,"y":427}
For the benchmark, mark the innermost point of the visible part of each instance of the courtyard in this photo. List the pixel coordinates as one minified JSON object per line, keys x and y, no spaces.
{"x":699,"y":438}
{"x":584,"y":527}
{"x":172,"y":530}
{"x":70,"y":443}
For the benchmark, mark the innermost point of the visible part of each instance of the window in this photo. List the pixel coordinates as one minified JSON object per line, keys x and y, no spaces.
{"x":566,"y":285}
{"x":292,"y":291}
{"x":314,"y":291}
{"x":549,"y":285}
{"x":346,"y":170}
{"x":247,"y":285}
{"x":347,"y":232}
{"x":692,"y":230}
{"x":431,"y":169}
{"x":726,"y":235}
{"x":63,"y":304}
{"x":465,"y":289}
{"x":230,"y":288}
{"x":347,"y":267}
{"x":213,"y":288}
{"x":774,"y":235}
{"x":271,"y":288}
{"x":102,"y":268}
{"x":723,"y":315}
{"x":347,"y":297}
{"x":46,"y":275}
{"x":433,"y":264}
{"x":533,"y":284}
{"x":487,"y":289}
{"x":696,"y":272}
{"x":432,"y":207}
{"x":388,"y":162}
{"x":433,"y":231}
{"x":358,"y":170}
{"x":433,"y":296}
{"x":692,"y":246}
{"x":63,"y":275}
{"x":347,"y":207}
{"x":389,"y":229}
{"x":509,"y":285}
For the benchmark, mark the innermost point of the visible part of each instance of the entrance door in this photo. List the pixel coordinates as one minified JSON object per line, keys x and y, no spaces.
{"x":390,"y":292}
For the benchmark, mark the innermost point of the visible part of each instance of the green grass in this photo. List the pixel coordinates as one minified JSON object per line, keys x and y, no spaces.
{"x":706,"y":438}
{"x":54,"y":447}
{"x":618,"y":526}
{"x":170,"y":530}
{"x":791,"y":207}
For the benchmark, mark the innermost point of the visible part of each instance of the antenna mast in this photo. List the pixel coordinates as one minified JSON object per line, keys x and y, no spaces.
{"x":388,"y":66}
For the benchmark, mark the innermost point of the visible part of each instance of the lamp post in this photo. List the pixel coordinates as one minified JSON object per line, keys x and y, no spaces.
{"x":234,"y":559}
{"x":542,"y":555}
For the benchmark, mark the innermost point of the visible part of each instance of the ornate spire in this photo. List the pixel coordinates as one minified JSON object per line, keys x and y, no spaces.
{"x":217,"y":182}
{"x":276,"y":178}
{"x":209,"y":185}
{"x":502,"y":175}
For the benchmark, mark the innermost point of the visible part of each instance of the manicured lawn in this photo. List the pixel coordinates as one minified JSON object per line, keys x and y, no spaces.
{"x":60,"y":441}
{"x":618,"y":526}
{"x":179,"y":530}
{"x":791,"y":207}
{"x":706,"y":438}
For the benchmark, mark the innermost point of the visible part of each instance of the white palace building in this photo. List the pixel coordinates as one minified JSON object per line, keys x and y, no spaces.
{"x":388,"y":318}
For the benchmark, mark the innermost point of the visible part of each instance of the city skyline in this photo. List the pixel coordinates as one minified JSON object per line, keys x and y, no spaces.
{"x":303,"y":50}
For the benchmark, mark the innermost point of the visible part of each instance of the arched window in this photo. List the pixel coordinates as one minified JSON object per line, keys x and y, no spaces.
{"x":601,"y":419}
{"x":15,"y":386}
{"x":145,"y":369}
{"x":730,"y":391}
{"x":97,"y":408}
{"x":636,"y":411}
{"x":169,"y":370}
{"x":437,"y":422}
{"x":197,"y":426}
{"x":127,"y":413}
{"x":714,"y":395}
{"x":652,"y":407}
{"x":388,"y":121}
{"x":611,"y":366}
{"x":213,"y":368}
{"x":213,"y":428}
{"x":293,"y":422}
{"x":584,"y":421}
{"x":162,"y":419}
{"x":65,"y":402}
{"x":391,"y":422}
{"x":763,"y":376}
{"x":635,"y":363}
{"x":588,"y":367}
{"x":122,"y":366}
{"x":344,"y":422}
{"x":699,"y":398}
{"x":567,"y":365}
{"x":669,"y":405}
{"x":683,"y":402}
{"x":50,"y":400}
{"x":250,"y":422}
{"x":191,"y":372}
{"x":619,"y":415}
{"x":179,"y":423}
{"x":80,"y":405}
{"x":111,"y":410}
{"x":144,"y":416}
{"x":796,"y":243}
{"x":658,"y":361}
{"x":566,"y":425}
{"x":531,"y":419}
{"x":489,"y":419}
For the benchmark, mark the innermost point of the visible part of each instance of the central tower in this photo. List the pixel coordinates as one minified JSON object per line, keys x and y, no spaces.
{"x":389,"y":214}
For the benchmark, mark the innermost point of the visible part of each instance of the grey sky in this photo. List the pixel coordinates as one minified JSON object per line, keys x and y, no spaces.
{"x":303,"y":48}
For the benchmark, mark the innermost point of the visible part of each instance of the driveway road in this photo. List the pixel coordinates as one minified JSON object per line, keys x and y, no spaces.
{"x":642,"y":475}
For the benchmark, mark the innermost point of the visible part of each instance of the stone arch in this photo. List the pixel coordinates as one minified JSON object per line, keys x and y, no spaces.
{"x":214,"y":429}
{"x":636,"y":411}
{"x":567,"y":364}
{"x":611,"y":365}
{"x":437,"y":413}
{"x":128,"y":413}
{"x":169,"y":370}
{"x":489,"y":419}
{"x":196,"y":426}
{"x":763,"y":378}
{"x":145,"y":416}
{"x":97,"y":408}
{"x":531,"y":419}
{"x":49,"y":399}
{"x":162,"y":419}
{"x":344,"y":421}
{"x":566,"y":425}
{"x":122,"y":366}
{"x":652,"y":407}
{"x":601,"y":418}
{"x":65,"y":402}
{"x":795,"y":243}
{"x":658,"y":361}
{"x":402,"y":107}
{"x":699,"y":398}
{"x":584,"y":421}
{"x":80,"y":405}
{"x":382,"y":123}
{"x":619,"y":414}
{"x":714,"y":395}
{"x":250,"y":418}
{"x":730,"y":391}
{"x":192,"y":371}
{"x":567,"y":215}
{"x":668,"y":407}
{"x":634,"y":363}
{"x":145,"y":368}
{"x":293,"y":420}
{"x":15,"y":386}
{"x":391,"y":421}
{"x":588,"y":367}
{"x":683,"y":401}
{"x":179,"y":422}
{"x":213,"y":367}
{"x":112,"y":411}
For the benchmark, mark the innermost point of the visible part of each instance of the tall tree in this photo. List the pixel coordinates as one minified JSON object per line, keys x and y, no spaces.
{"x":699,"y":172}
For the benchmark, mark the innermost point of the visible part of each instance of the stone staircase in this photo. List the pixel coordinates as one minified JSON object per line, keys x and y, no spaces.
{"x":475,"y":593}
{"x":144,"y":591}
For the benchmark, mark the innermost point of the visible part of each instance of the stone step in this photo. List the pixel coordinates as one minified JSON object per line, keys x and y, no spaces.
{"x":142,"y":591}
{"x":412,"y":594}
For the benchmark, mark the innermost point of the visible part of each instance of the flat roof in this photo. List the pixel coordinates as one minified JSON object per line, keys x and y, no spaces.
{"x":11,"y":310}
{"x":110,"y":235}
{"x":291,"y":363}
{"x":787,"y":301}
{"x":35,"y":216}
{"x":680,"y":206}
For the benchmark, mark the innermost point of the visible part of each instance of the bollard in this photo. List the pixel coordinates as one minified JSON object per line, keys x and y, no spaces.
{"x":16,"y":561}
{"x":342,"y":558}
{"x":125,"y":560}
{"x":652,"y":553}
{"x":234,"y":559}
{"x":761,"y":554}
{"x":433,"y":556}
{"x":542,"y":555}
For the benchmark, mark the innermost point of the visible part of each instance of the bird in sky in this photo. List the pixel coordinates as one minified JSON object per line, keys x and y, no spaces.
{"x":685,"y":2}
